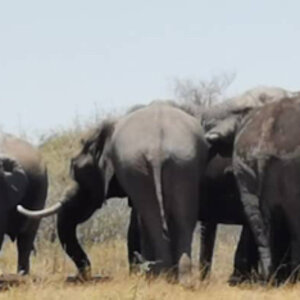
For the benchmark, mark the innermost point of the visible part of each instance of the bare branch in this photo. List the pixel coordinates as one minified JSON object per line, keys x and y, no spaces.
{"x":202,"y":93}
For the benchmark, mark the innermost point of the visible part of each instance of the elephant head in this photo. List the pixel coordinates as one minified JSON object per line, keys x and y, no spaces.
{"x":222,"y":121}
{"x":13,"y":183}
{"x":91,"y":170}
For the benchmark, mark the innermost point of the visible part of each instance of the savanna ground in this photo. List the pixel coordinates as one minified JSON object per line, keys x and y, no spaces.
{"x":51,"y":267}
{"x":104,"y":239}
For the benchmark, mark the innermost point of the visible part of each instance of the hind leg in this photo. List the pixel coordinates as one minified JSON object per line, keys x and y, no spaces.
{"x":182,"y":207}
{"x":138,"y":243}
{"x":155,"y":243}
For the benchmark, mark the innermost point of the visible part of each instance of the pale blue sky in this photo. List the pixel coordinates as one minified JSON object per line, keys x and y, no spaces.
{"x":65,"y":58}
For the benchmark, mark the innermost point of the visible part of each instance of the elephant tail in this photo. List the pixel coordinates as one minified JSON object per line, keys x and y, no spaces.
{"x":157,"y":177}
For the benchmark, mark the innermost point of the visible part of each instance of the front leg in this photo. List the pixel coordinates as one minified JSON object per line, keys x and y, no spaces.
{"x":208,"y":236}
{"x":25,"y":245}
{"x":257,"y":218}
{"x":76,"y":210}
{"x":245,"y":259}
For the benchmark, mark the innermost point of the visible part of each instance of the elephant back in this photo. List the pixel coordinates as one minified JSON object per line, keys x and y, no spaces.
{"x":23,"y":152}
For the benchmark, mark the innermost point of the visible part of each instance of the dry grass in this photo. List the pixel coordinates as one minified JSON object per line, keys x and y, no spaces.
{"x":51,"y":266}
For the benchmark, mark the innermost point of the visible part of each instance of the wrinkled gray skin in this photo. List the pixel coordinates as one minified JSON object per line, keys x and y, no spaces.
{"x":250,"y":170}
{"x":158,"y":155}
{"x":23,"y":180}
{"x":221,"y":121}
{"x":266,"y":163}
{"x":220,"y":204}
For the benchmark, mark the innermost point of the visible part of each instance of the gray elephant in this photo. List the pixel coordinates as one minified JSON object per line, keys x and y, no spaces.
{"x":158,"y":154}
{"x":229,"y":122}
{"x":23,"y":180}
{"x":219,"y":204}
{"x":221,"y":121}
{"x":266,"y":164}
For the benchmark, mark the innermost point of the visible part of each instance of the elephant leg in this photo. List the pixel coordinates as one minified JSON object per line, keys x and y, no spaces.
{"x":182,"y":201}
{"x":3,"y":220}
{"x":25,"y":244}
{"x":155,"y":246}
{"x":293,"y":237}
{"x":1,"y":239}
{"x":245,"y":259}
{"x":295,"y":258}
{"x":73,"y":213}
{"x":142,"y":193}
{"x":208,"y":236}
{"x":260,"y":232}
{"x":133,"y":240}
{"x":247,"y":185}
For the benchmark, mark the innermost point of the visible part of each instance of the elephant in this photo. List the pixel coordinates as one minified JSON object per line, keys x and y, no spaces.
{"x":251,"y":164}
{"x":221,"y":121}
{"x":266,"y":164}
{"x":220,"y":204}
{"x":158,"y":155}
{"x":23,"y":180}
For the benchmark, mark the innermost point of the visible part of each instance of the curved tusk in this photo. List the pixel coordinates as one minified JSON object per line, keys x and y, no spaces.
{"x":212,"y":136}
{"x":38,"y":214}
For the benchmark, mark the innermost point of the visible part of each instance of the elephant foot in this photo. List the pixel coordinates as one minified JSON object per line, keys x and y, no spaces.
{"x":237,"y":279}
{"x":23,"y":273}
{"x":185,"y":271}
{"x":84,"y":274}
{"x":9,"y":280}
{"x":94,"y":279}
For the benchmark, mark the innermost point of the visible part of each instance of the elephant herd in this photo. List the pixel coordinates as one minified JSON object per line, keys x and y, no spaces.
{"x":237,"y":162}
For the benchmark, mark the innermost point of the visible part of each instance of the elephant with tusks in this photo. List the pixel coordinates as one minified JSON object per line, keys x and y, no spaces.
{"x":23,"y":181}
{"x":158,"y":156}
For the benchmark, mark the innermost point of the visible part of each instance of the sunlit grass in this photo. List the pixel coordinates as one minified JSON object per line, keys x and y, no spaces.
{"x":50,"y":267}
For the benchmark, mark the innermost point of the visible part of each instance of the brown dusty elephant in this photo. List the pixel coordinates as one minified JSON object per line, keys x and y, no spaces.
{"x":232,"y":122}
{"x":23,"y":180}
{"x":158,"y":155}
{"x":266,"y":164}
{"x":222,"y":120}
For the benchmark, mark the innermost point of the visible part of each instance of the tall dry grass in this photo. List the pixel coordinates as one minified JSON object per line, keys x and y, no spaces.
{"x":50,"y":267}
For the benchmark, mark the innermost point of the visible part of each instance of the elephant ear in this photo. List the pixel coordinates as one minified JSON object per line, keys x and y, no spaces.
{"x":102,"y":152}
{"x":13,"y":183}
